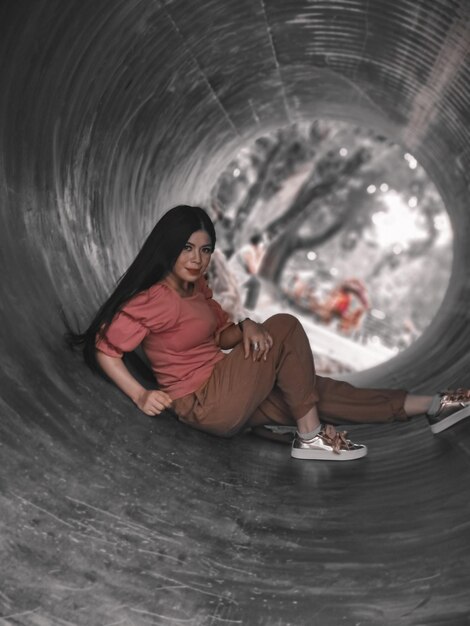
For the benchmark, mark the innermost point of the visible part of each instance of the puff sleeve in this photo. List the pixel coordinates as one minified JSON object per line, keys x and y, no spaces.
{"x":146,"y":312}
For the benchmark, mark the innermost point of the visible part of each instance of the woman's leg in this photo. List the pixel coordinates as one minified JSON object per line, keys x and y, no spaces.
{"x":340,"y":403}
{"x":285,"y":390}
{"x":239,"y":386}
{"x":282,"y":389}
{"x":417,"y":405}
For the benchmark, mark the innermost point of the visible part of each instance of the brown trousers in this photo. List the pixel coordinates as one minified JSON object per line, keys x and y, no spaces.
{"x":241,"y":394}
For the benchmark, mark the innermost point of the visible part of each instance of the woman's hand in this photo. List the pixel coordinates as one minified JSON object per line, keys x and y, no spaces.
{"x":150,"y":401}
{"x":256,"y":340}
{"x":153,"y":402}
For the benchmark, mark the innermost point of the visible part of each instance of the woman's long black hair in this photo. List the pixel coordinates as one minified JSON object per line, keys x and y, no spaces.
{"x":155,"y":260}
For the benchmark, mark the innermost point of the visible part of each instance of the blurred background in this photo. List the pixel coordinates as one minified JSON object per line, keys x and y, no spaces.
{"x":340,"y":226}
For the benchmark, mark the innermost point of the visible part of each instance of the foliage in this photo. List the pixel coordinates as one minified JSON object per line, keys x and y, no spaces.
{"x":339,"y":190}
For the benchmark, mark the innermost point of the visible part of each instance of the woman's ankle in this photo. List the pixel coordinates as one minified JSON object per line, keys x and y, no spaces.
{"x":417,"y":405}
{"x":311,"y":434}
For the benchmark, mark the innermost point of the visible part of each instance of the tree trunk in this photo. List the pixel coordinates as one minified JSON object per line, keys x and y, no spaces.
{"x":256,"y":190}
{"x":279,"y":251}
{"x":316,"y":186}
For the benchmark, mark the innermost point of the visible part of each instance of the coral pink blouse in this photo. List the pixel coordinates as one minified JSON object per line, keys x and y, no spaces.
{"x":179,"y":335}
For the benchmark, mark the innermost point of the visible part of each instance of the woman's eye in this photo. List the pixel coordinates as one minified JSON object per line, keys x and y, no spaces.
{"x":187,"y":247}
{"x":207,"y":251}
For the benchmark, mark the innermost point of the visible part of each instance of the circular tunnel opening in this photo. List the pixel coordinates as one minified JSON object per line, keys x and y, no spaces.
{"x":340,"y":226}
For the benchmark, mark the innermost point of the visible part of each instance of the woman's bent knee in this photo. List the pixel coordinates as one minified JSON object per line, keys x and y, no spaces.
{"x":281,"y":321}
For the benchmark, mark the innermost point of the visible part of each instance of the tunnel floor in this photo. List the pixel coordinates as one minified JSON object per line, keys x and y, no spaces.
{"x":137,"y":520}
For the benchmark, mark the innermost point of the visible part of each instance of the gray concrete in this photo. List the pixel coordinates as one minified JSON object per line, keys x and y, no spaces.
{"x":110,"y":112}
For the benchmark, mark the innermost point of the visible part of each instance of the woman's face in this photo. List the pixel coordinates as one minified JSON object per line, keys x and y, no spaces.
{"x":193,"y":260}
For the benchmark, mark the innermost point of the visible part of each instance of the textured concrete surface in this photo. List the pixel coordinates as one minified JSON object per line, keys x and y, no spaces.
{"x":110,"y":112}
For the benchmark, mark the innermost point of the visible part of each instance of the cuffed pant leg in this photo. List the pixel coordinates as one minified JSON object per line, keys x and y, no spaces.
{"x":341,"y":402}
{"x":338,"y":403}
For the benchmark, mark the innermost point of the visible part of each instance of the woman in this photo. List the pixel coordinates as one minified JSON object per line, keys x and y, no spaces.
{"x":268,"y":378}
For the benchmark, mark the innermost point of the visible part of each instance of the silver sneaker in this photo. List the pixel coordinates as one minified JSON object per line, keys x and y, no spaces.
{"x":454,"y":406}
{"x":325,"y":448}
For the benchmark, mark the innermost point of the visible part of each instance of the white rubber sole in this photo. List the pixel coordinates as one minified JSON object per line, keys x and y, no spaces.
{"x":324,"y":455}
{"x":450,"y":421}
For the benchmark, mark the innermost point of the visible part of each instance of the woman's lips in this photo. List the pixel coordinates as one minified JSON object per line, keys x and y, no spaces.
{"x":193,"y":272}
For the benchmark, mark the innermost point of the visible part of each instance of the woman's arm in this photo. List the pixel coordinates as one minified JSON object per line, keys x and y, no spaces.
{"x":230,"y":337}
{"x":255,"y":338}
{"x":150,"y":401}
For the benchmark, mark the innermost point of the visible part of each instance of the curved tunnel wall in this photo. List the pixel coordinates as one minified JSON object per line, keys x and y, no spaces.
{"x":112,"y":111}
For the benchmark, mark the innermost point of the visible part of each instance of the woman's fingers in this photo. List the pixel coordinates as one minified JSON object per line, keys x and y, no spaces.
{"x":155,"y":402}
{"x":260,"y":347}
{"x":269,"y":345}
{"x":257,"y":341}
{"x":164,"y":401}
{"x":261,"y":351}
{"x":255,"y":347}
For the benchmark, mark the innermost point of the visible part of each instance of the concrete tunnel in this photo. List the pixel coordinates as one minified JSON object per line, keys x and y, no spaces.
{"x":111,"y":112}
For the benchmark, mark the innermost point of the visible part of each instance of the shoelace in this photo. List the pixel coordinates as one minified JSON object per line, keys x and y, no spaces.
{"x":338,"y":442}
{"x":458,"y":395}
